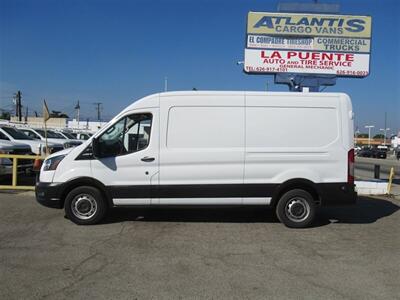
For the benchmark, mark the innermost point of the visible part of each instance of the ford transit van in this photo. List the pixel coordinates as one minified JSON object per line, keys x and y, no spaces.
{"x":291,"y":151}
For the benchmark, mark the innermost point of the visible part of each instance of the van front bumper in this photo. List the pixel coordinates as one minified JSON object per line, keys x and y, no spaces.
{"x":48,"y":194}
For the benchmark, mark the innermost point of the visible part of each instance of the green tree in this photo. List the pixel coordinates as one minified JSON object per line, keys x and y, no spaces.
{"x":5,"y":115}
{"x":379,"y":136}
{"x":58,"y":114}
{"x":362,"y":135}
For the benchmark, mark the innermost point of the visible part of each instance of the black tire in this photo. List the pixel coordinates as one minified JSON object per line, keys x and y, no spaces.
{"x":296,"y":209}
{"x":85,"y":205}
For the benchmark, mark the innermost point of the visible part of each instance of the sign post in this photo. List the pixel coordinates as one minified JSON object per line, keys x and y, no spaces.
{"x":46,"y":117}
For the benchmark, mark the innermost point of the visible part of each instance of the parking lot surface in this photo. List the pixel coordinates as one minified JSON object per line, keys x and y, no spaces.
{"x":219,"y":253}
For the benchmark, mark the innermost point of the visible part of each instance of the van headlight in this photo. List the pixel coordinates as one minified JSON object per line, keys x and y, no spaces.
{"x":52,"y":163}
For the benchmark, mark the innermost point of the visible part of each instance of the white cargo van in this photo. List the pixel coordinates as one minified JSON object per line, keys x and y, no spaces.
{"x":291,"y":151}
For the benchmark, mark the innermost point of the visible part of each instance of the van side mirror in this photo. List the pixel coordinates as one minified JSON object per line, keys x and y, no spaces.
{"x":96,"y":148}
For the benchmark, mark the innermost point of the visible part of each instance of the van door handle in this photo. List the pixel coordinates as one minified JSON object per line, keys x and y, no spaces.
{"x":147,"y":159}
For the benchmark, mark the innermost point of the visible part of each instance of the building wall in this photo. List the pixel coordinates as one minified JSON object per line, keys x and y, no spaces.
{"x":37,"y":122}
{"x":365,"y":141}
{"x":58,"y":123}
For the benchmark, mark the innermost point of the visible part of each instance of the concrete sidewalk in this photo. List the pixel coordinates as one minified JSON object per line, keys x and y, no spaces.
{"x":395,"y":191}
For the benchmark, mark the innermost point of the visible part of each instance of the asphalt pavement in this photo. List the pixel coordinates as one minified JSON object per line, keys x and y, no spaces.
{"x":241,"y":253}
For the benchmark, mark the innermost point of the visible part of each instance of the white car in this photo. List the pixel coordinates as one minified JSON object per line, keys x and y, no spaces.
{"x":83,"y":136}
{"x":52,"y":136}
{"x":290,"y":151}
{"x":67,"y":135}
{"x":5,"y":163}
{"x":12,"y":134}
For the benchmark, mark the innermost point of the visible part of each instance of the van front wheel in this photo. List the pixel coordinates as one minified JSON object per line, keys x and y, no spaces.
{"x":296,"y":209}
{"x":85,"y":205}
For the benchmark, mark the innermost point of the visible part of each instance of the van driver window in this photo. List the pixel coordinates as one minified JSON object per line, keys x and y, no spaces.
{"x":128,"y":135}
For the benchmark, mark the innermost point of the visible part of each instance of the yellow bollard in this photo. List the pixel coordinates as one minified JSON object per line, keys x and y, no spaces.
{"x":15,"y":158}
{"x":391,"y":175}
{"x":14,"y":172}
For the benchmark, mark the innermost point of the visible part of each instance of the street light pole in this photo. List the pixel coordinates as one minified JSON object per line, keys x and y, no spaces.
{"x":369,"y":134}
{"x":385,"y":130}
{"x":165,"y":84}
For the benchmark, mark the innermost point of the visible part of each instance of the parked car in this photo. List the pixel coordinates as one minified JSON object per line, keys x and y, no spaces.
{"x":365,"y":152}
{"x":79,"y":135}
{"x":211,"y":148}
{"x":397,"y":152}
{"x":5,"y":163}
{"x":67,"y":135}
{"x":357,"y":149}
{"x":67,"y":139}
{"x":83,"y":135}
{"x":383,"y":147}
{"x":52,"y":136}
{"x":7,"y":147}
{"x":379,"y":153}
{"x":372,"y":152}
{"x":12,"y":134}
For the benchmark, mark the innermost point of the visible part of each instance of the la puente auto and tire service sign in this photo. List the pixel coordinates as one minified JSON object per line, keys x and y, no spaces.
{"x":307,"y":43}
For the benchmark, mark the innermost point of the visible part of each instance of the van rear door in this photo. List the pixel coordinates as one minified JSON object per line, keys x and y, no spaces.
{"x":293,"y":136}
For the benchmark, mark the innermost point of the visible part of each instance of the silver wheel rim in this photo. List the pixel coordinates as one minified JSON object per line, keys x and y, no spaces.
{"x":84,"y":206}
{"x":297,"y":209}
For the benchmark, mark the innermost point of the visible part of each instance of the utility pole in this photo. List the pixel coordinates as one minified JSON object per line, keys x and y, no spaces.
{"x":26,"y":114}
{"x":18,"y":106}
{"x":78,"y":109}
{"x":98,"y":109}
{"x":165,"y":84}
{"x":385,"y":119}
{"x":369,"y":134}
{"x":385,"y":130}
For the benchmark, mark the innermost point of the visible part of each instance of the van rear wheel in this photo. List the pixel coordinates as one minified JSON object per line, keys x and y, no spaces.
{"x":85,"y":205}
{"x":296,"y":209}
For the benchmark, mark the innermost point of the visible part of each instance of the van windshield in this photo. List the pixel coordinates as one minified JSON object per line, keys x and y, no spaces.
{"x":16,"y":134}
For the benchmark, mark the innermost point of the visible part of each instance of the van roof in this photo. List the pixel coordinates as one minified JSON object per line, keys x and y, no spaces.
{"x":145,"y":103}
{"x":295,"y":94}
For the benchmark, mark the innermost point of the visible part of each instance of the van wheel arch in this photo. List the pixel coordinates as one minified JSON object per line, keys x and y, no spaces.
{"x":296,"y":183}
{"x":85,"y":181}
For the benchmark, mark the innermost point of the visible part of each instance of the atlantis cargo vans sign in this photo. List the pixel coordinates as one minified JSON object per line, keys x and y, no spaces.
{"x":308,"y":43}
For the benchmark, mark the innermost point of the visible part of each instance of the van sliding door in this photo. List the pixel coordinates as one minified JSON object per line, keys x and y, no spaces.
{"x":201,"y":149}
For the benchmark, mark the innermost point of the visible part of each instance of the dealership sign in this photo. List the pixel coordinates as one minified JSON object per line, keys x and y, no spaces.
{"x":308,"y":43}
